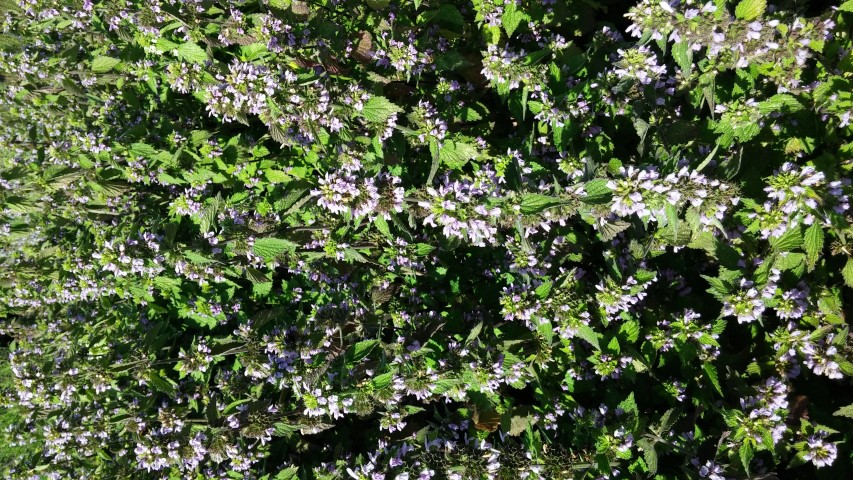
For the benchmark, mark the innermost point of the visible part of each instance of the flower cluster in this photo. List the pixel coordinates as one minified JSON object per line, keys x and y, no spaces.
{"x":461,"y":209}
{"x":234,"y":235}
{"x":244,"y":90}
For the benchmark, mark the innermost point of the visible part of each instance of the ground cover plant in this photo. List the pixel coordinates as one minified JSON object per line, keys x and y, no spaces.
{"x":387,"y":239}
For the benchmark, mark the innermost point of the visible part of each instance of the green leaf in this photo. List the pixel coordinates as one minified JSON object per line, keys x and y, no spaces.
{"x":253,"y":51}
{"x":168,"y":284}
{"x":588,"y":334}
{"x":629,"y":405}
{"x":197,"y":258}
{"x":511,"y":17}
{"x":276,"y":176}
{"x":360,"y":350}
{"x":788,"y":241}
{"x":847,"y":272}
{"x":382,"y":225}
{"x":447,"y":16}
{"x":746,"y":453}
{"x":845,"y":411}
{"x":610,"y":229}
{"x":711,"y":373}
{"x":469,"y":114}
{"x":382,"y":381}
{"x":813,"y":243}
{"x":631,"y":329}
{"x":379,"y":109}
{"x":719,"y":288}
{"x":192,"y":53}
{"x":474,"y":333}
{"x":280,"y":4}
{"x":543,"y":290}
{"x":456,"y":154}
{"x":161,"y":383}
{"x":649,"y":455}
{"x":378,"y":4}
{"x":532,"y":203}
{"x":353,"y":255}
{"x":518,"y":424}
{"x":289,"y":473}
{"x":284,"y":430}
{"x":846,"y":6}
{"x":271,"y":248}
{"x":422,"y":249}
{"x":104,"y":64}
{"x":597,"y":192}
{"x":261,"y":289}
{"x":782,"y":102}
{"x":789,"y":261}
{"x":750,"y":9}
{"x":683,"y":55}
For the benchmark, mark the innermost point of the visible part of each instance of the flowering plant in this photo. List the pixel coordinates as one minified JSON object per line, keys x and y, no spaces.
{"x":382,"y":239}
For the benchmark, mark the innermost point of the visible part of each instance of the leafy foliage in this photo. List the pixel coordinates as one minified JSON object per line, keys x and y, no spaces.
{"x":281,"y":239}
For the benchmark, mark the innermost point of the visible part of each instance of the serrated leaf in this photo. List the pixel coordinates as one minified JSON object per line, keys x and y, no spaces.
{"x":713,"y":377}
{"x":546,"y":330}
{"x":378,"y":4}
{"x":783,"y":102}
{"x":456,"y":154}
{"x":706,"y":339}
{"x":261,"y":289}
{"x":588,"y":334}
{"x":197,"y":258}
{"x":104,"y":64}
{"x":631,"y":329}
{"x":750,"y":9}
{"x":511,"y":18}
{"x":353,"y":255}
{"x":271,"y":248}
{"x":379,"y":109}
{"x":649,"y":455}
{"x":629,"y":405}
{"x":280,"y":4}
{"x":746,"y":453}
{"x":543,"y":290}
{"x":192,"y":53}
{"x":847,"y":272}
{"x":360,"y":350}
{"x":284,"y":430}
{"x":276,"y":176}
{"x":382,"y":381}
{"x":447,"y":16}
{"x":168,"y":284}
{"x":789,"y":261}
{"x":532,"y":203}
{"x":289,"y":473}
{"x":610,"y":229}
{"x":682,"y":53}
{"x":469,"y":114}
{"x":382,"y":225}
{"x":813,"y":243}
{"x":845,"y":411}
{"x":422,"y":249}
{"x":597,"y":192}
{"x":788,"y":241}
{"x":474,"y":333}
{"x":518,"y":424}
{"x":161,"y":383}
{"x":277,"y":134}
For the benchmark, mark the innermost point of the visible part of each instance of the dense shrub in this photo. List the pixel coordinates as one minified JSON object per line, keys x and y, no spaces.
{"x":280,"y":239}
